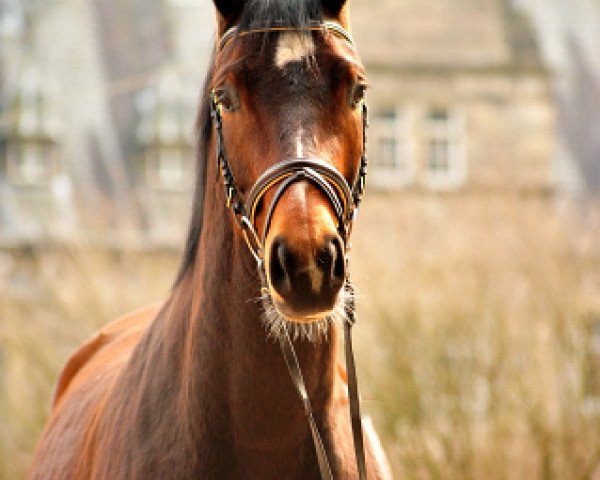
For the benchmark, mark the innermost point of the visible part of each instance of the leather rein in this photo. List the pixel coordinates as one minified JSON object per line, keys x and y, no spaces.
{"x":345,"y":200}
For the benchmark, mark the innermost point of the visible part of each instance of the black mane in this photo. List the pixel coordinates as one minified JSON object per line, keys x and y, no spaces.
{"x":273,"y":13}
{"x":203,"y":133}
{"x":255,"y":14}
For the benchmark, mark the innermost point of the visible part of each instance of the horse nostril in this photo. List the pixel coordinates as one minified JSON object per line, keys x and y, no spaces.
{"x":279,"y":264}
{"x":306,"y":281}
{"x":330,"y":260}
{"x":326,"y":257}
{"x":339,"y":266}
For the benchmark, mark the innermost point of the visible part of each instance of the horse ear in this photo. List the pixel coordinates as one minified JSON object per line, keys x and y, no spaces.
{"x":229,"y":9}
{"x":333,"y":8}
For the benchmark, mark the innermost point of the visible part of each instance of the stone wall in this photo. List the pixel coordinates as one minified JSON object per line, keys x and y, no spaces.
{"x":433,"y":32}
{"x":462,"y":57}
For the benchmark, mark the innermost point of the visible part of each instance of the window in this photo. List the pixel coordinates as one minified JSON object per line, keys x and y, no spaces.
{"x":391,"y":160}
{"x":444,"y":161}
{"x":30,"y":162}
{"x":165,"y":118}
{"x":12,"y":21}
{"x":166,"y":167}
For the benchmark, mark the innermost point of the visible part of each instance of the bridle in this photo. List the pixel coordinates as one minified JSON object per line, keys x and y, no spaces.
{"x":344,"y":198}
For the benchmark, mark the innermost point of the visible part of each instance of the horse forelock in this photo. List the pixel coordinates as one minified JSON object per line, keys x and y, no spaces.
{"x":274,"y":13}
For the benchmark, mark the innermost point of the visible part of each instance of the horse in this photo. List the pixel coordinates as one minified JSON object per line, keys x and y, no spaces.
{"x":197,"y":387}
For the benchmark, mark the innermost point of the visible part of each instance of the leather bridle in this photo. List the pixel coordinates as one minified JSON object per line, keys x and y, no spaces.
{"x":344,"y":199}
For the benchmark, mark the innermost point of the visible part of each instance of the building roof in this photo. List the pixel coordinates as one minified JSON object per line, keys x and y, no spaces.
{"x":122,"y":46}
{"x":441,"y":34}
{"x":569,"y":38}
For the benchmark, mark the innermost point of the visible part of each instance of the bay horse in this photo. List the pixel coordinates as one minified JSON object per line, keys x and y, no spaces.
{"x":198,"y":388}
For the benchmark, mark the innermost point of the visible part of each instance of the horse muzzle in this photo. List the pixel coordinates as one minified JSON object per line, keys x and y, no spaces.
{"x":305,"y":226}
{"x":305,"y":282}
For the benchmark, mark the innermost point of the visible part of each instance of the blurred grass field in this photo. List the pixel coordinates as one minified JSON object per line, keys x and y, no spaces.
{"x":477,"y":354}
{"x":474,"y":337}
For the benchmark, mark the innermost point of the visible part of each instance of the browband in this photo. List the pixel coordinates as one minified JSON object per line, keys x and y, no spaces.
{"x":326,"y":26}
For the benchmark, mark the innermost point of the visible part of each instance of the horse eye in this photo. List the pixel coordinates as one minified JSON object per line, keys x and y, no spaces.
{"x":358,"y":95}
{"x":225,"y":99}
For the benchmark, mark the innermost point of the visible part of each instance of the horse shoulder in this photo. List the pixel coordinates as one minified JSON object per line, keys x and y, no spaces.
{"x":66,"y":447}
{"x":110,"y":335}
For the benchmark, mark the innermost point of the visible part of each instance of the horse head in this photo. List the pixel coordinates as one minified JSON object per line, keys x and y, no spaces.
{"x":289,"y":107}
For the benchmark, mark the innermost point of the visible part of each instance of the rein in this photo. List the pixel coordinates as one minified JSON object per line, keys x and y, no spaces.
{"x":345,"y":200}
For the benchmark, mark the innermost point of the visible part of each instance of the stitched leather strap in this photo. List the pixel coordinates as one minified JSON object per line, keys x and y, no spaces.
{"x":317,"y":170}
{"x":355,"y":418}
{"x":293,"y":366}
{"x":291,"y":361}
{"x":287,"y":172}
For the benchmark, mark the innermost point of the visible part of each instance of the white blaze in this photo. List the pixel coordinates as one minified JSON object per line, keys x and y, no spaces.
{"x":299,"y":146}
{"x":292,"y":47}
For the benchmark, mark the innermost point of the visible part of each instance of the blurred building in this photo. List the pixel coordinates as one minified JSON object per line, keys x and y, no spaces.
{"x":98,"y":100}
{"x":569,"y":39}
{"x":96,"y":117}
{"x":460,"y":97}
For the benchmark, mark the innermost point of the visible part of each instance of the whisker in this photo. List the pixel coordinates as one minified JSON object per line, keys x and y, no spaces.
{"x":276,"y":323}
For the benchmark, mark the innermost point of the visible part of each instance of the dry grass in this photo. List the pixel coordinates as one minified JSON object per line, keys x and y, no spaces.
{"x":478,"y":313}
{"x":50,"y":301}
{"x":471,"y":340}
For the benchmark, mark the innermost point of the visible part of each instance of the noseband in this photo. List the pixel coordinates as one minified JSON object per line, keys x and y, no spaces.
{"x":343,"y":197}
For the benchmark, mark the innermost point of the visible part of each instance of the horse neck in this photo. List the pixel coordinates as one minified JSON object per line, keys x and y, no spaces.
{"x":235,"y":371}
